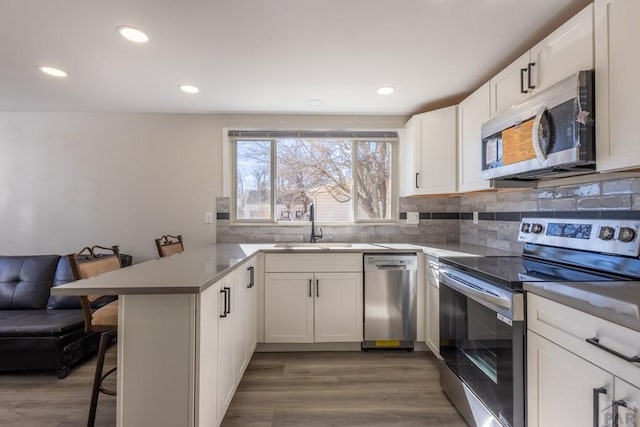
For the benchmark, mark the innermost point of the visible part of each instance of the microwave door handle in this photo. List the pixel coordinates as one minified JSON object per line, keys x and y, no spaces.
{"x":535,"y":137}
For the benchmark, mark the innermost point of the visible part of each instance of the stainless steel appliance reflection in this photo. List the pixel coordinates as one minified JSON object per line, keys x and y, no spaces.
{"x":390,"y":291}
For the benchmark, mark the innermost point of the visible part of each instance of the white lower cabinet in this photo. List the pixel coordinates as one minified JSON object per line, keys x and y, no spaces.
{"x":316,"y":305}
{"x":562,"y":386}
{"x":288,"y":307}
{"x":338,"y":307}
{"x":628,"y":398}
{"x":207,"y":356}
{"x":226,"y":345}
{"x":313,"y":307}
{"x":574,"y":382}
{"x":432,"y":328}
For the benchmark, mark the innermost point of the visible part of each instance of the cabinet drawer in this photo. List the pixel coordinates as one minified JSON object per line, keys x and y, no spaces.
{"x":301,"y":263}
{"x":570,"y":328}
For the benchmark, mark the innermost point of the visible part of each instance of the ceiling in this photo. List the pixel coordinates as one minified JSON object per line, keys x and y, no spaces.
{"x":262,"y":56}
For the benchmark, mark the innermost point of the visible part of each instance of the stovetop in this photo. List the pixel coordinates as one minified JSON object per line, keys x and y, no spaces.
{"x":512,"y":271}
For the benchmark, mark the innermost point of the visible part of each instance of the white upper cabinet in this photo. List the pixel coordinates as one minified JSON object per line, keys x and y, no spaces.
{"x":509,"y":87}
{"x":472,"y":113}
{"x":429,"y":153}
{"x":617,"y":91}
{"x":567,"y":50}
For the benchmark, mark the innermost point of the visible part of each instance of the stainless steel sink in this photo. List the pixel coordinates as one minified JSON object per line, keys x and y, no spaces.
{"x":319,"y":246}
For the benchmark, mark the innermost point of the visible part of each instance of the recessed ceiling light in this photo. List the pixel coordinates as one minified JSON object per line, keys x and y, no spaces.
{"x":132,"y":34}
{"x":314,"y":102}
{"x":385,"y":90}
{"x":55,"y":72}
{"x":189,"y":89}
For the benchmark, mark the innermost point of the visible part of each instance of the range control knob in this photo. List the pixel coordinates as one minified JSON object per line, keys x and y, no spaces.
{"x":526,"y":228}
{"x":626,"y":234}
{"x":537,"y":228}
{"x":606,"y":233}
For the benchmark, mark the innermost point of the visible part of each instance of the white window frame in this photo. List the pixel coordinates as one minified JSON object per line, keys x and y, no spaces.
{"x":231,"y":141}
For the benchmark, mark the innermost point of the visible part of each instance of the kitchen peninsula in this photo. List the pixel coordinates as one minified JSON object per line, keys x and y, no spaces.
{"x":188,"y":325}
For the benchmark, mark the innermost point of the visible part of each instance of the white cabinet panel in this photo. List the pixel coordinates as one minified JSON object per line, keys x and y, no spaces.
{"x":565,"y":51}
{"x":433,"y":315}
{"x":473,"y":112}
{"x":226,"y":345}
{"x":509,"y":87}
{"x":561,"y":386}
{"x":617,"y":91}
{"x":288,"y":307}
{"x":207,"y":356}
{"x":338,"y":307}
{"x":628,"y":413}
{"x":323,"y":262}
{"x":431,"y":153}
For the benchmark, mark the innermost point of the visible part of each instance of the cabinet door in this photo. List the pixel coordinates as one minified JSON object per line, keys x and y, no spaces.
{"x":617,"y":91}
{"x":561,"y":386}
{"x":338,"y":307}
{"x":472,"y":113}
{"x":288,"y":308}
{"x":240,"y":323}
{"x":438,"y":148}
{"x":207,"y":357}
{"x":433,"y":322}
{"x":629,"y":415}
{"x":251,"y":305}
{"x":410,"y":157}
{"x":507,"y":88}
{"x":226,"y":345}
{"x":566,"y":51}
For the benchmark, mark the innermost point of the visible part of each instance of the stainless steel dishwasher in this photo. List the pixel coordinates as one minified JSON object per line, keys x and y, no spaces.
{"x":390,"y":288}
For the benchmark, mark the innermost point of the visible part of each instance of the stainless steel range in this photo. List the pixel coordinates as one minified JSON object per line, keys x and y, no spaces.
{"x":482,"y":307}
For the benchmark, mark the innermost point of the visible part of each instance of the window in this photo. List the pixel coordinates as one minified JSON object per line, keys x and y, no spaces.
{"x":347,"y":177}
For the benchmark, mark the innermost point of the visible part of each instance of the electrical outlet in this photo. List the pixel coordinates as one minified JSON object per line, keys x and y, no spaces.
{"x":413,"y":218}
{"x":475,"y":217}
{"x":208,"y":217}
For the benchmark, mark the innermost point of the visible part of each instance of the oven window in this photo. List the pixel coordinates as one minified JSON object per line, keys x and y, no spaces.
{"x":479,"y":348}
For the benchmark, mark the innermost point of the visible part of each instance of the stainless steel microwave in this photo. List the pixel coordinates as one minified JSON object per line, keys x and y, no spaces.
{"x":551,"y":135}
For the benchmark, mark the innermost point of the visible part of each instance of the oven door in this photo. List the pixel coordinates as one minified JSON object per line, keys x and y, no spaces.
{"x":483,"y":347}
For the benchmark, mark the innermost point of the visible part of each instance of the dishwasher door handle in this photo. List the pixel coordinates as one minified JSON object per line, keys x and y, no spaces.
{"x":390,"y":267}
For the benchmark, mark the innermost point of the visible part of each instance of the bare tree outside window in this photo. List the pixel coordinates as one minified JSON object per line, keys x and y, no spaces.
{"x":253,"y":180}
{"x":314,"y":170}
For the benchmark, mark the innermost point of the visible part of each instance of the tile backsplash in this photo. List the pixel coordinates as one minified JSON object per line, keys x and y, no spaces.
{"x":450,"y":219}
{"x":439,"y":222}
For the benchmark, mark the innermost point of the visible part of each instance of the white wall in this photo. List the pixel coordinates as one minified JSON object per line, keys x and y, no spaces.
{"x":72,"y":179}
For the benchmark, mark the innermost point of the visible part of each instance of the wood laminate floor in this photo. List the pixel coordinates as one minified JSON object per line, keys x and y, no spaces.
{"x":40,"y":399}
{"x":376,"y":388}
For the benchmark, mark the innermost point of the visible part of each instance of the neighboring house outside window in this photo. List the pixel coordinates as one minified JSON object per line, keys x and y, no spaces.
{"x":348,"y":177}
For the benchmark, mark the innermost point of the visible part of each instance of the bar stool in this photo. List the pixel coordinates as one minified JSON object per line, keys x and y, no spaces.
{"x":84,"y":264}
{"x":169,"y":245}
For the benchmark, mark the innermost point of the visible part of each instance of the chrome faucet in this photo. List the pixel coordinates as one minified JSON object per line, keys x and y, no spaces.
{"x":314,"y":237}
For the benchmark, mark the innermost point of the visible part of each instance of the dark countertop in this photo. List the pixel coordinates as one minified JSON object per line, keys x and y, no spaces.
{"x":618,"y":302}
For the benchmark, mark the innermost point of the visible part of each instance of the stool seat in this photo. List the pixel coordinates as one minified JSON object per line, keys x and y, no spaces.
{"x":106,"y":318}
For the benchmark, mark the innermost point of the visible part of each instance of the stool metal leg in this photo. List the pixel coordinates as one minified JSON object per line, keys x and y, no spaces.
{"x":105,"y":340}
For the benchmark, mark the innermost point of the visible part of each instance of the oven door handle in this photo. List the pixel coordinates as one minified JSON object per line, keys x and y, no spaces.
{"x":479,"y":293}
